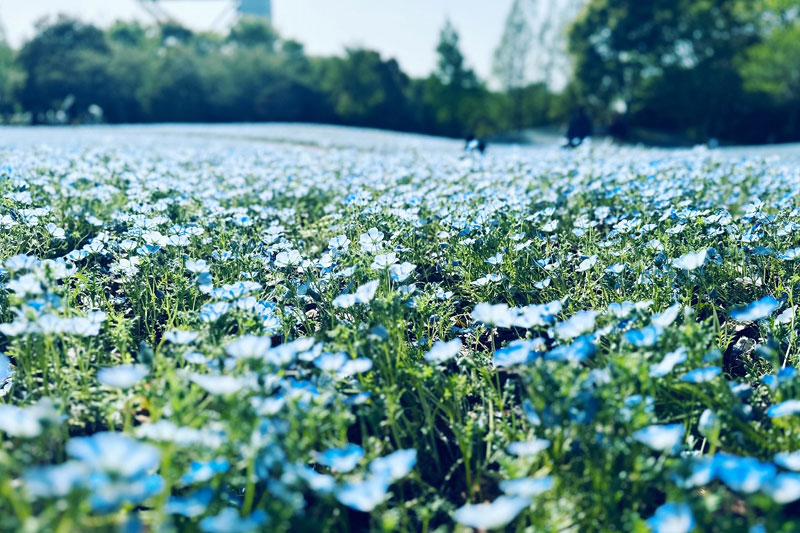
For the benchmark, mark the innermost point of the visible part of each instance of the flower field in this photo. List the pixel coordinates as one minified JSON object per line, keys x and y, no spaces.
{"x":231,"y":335}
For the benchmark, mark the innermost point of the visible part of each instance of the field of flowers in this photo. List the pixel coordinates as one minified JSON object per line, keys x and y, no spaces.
{"x":229,"y":336}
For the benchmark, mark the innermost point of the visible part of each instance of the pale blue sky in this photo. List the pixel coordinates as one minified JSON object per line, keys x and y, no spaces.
{"x":404,"y":29}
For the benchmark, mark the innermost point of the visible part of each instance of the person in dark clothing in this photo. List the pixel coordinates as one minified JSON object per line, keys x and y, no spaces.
{"x":618,"y":129}
{"x":472,"y":144}
{"x":580,"y":127}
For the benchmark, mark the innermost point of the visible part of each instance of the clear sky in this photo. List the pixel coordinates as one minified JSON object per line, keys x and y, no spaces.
{"x":404,"y":29}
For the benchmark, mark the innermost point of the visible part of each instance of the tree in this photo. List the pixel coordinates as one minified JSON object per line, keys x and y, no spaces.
{"x":365,"y":90}
{"x":511,"y":60}
{"x":11,"y":79}
{"x":668,"y":60}
{"x":65,"y":66}
{"x":451,"y":69}
{"x":253,"y":32}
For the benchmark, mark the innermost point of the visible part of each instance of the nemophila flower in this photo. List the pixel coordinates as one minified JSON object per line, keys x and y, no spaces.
{"x":363,"y":495}
{"x":56,"y":481}
{"x":6,"y":374}
{"x":493,"y":315}
{"x":371,"y":241}
{"x":587,"y":263}
{"x":342,"y":459}
{"x":394,"y":466}
{"x":442,"y":351}
{"x":27,"y":421}
{"x":743,"y":474}
{"x":702,"y":375}
{"x":669,"y":362}
{"x":401,"y":272}
{"x":757,"y":310}
{"x":784,"y":488}
{"x":114,"y":453}
{"x":517,"y":352}
{"x":181,"y":336}
{"x":528,"y":448}
{"x":493,"y":515}
{"x":192,"y":505}
{"x":579,"y":323}
{"x":202,"y":471}
{"x":248,"y":347}
{"x":645,"y":337}
{"x":786,"y":316}
{"x":488,"y":278}
{"x":790,"y":255}
{"x":579,"y":351}
{"x":527,"y":486}
{"x":672,"y":518}
{"x":662,"y":438}
{"x":788,"y":460}
{"x":122,"y":376}
{"x":616,"y":269}
{"x":709,"y":423}
{"x":691,"y":260}
{"x":287,"y":259}
{"x":496,"y":259}
{"x":530,"y":413}
{"x":382,"y":261}
{"x":166,"y":431}
{"x":317,"y":482}
{"x":363,"y":295}
{"x":786,"y":408}
{"x":340,"y":364}
{"x":229,"y":520}
{"x":542,"y":284}
{"x":340,"y":243}
{"x":219,"y":384}
{"x":665,"y":319}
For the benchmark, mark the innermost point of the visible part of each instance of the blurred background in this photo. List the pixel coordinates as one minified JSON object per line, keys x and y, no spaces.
{"x":662,"y":72}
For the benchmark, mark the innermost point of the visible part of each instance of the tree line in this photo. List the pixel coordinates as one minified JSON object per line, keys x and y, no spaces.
{"x":71,"y":71}
{"x":676,"y":71}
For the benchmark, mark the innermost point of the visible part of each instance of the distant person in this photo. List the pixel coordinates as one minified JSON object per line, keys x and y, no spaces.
{"x":580,"y":127}
{"x":618,"y":129}
{"x":473,"y":144}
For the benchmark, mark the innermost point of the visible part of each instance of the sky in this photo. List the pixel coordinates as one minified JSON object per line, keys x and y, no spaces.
{"x":407,"y":30}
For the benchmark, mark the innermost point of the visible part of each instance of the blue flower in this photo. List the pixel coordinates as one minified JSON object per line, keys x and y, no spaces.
{"x":394,"y":466}
{"x":663,"y":438}
{"x":644,"y":337}
{"x":363,"y":495}
{"x":491,"y":515}
{"x":114,"y":453}
{"x":784,"y":488}
{"x":757,"y":310}
{"x":672,"y":518}
{"x":191,"y":505}
{"x":787,"y":408}
{"x":581,"y":349}
{"x":669,"y":362}
{"x":342,"y":459}
{"x":442,"y":351}
{"x":743,"y":474}
{"x":788,"y":460}
{"x":55,"y":481}
{"x":702,"y":375}
{"x":527,"y":486}
{"x":202,"y":471}
{"x":230,"y":521}
{"x":526,"y":448}
{"x":122,"y":376}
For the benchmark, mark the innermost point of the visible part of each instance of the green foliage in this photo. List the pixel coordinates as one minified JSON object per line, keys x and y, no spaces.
{"x":674,"y":63}
{"x":136,"y":73}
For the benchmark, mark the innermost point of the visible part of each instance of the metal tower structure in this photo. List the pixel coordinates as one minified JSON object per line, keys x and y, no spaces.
{"x":230,"y":8}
